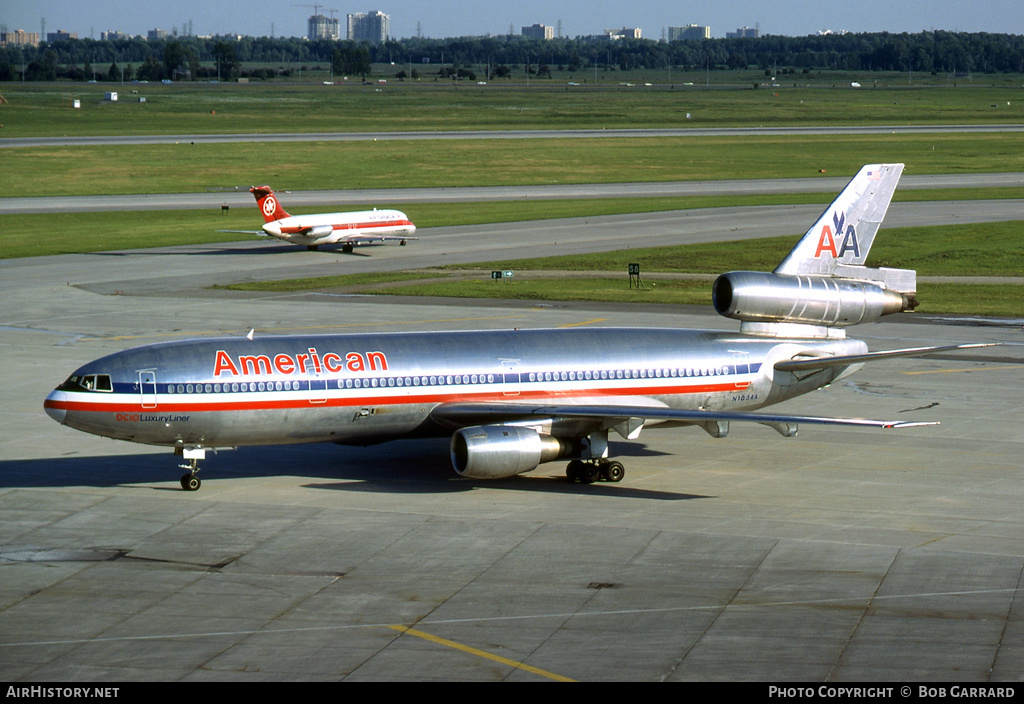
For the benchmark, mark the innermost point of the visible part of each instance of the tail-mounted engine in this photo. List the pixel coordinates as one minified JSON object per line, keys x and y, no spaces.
{"x":760,"y":297}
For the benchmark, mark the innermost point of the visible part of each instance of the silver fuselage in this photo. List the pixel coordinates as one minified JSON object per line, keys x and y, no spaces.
{"x":362,"y":389}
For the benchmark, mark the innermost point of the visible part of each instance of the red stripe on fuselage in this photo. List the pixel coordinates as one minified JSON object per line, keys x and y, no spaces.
{"x":303,"y":399}
{"x":349,"y":226}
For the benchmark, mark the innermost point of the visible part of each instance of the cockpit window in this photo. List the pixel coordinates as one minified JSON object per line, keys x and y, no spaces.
{"x":87,"y":382}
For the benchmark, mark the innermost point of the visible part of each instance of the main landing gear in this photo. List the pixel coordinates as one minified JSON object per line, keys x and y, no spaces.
{"x":590,"y":471}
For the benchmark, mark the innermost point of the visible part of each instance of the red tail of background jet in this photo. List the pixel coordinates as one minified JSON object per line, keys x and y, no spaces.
{"x":268,"y":205}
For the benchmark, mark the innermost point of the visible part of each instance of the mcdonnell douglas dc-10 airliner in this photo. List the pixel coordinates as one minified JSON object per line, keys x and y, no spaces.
{"x":514,"y":399}
{"x":347,"y":229}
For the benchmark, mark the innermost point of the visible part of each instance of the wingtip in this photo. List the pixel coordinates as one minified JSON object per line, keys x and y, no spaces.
{"x":910,"y":423}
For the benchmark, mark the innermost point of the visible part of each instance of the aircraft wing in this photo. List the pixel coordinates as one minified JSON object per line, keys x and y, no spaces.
{"x":612,"y":415}
{"x":358,"y":239}
{"x":805,"y":362}
{"x":261,"y":233}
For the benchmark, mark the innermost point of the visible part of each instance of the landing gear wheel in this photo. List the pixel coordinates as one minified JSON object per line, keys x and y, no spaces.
{"x":613,"y":472}
{"x":588,"y":473}
{"x":573,"y":470}
{"x":582,"y":472}
{"x":190,"y":482}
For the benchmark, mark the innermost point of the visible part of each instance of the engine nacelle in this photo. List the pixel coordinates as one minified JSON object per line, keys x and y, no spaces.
{"x":761,"y":297}
{"x":498,"y":451}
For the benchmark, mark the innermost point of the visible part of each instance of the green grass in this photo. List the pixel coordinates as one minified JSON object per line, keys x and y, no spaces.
{"x":428,"y":105}
{"x":191,"y":168}
{"x":42,"y":110}
{"x":1003,"y":300}
{"x":73,"y":233}
{"x":983,"y":249}
{"x":991,"y":249}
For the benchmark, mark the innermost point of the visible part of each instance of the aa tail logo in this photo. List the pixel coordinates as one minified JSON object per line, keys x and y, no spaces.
{"x":827,"y":240}
{"x":844,"y":232}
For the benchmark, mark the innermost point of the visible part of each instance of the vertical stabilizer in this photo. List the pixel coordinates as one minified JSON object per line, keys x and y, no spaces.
{"x":266,"y":201}
{"x":844,"y":232}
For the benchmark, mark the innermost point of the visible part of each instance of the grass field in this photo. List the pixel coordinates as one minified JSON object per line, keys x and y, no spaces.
{"x":181,"y":109}
{"x":190,"y":168}
{"x":44,"y":110}
{"x":987,"y":250}
{"x":1001,"y":300}
{"x":428,"y":105}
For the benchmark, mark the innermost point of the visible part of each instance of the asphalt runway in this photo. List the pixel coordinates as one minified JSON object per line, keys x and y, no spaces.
{"x":366,"y":198}
{"x":827,"y":130}
{"x":838,"y":555}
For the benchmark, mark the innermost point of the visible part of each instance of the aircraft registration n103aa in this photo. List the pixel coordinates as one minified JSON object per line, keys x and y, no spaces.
{"x":513,"y":399}
{"x":349,"y":229}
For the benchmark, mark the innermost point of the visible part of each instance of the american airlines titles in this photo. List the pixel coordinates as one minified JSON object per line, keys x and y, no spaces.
{"x":310,"y":362}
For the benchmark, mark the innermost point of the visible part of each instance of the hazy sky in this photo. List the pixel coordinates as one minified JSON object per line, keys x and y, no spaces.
{"x":433,"y":18}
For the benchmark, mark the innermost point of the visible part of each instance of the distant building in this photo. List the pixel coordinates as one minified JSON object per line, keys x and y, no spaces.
{"x":156,"y":35}
{"x":373,"y":26}
{"x":624,"y":33}
{"x":690,"y":31}
{"x":113,"y":36}
{"x":744,"y":32}
{"x":60,"y":36}
{"x":320,"y":27}
{"x":19,"y":37}
{"x":539,"y":31}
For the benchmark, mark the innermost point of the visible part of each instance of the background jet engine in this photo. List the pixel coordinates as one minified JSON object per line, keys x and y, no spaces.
{"x":761,"y":297}
{"x":498,"y":451}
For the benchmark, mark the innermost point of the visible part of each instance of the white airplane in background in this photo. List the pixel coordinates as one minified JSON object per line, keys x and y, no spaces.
{"x":513,"y":399}
{"x":363,"y":227}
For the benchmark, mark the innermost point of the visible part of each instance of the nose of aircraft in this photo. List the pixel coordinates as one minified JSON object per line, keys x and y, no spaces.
{"x":54,"y":406}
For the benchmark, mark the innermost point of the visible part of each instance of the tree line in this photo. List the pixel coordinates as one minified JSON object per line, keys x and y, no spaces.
{"x":227,"y":58}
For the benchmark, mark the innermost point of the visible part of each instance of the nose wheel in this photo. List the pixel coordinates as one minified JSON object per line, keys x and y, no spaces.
{"x":190,"y":480}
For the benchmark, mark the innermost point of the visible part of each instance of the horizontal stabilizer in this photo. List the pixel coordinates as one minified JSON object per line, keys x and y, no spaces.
{"x":802,"y":363}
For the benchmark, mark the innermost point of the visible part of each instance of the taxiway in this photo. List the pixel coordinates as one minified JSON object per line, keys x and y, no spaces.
{"x":838,"y":555}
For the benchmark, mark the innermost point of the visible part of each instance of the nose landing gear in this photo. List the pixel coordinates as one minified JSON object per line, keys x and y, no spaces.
{"x":190,"y":480}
